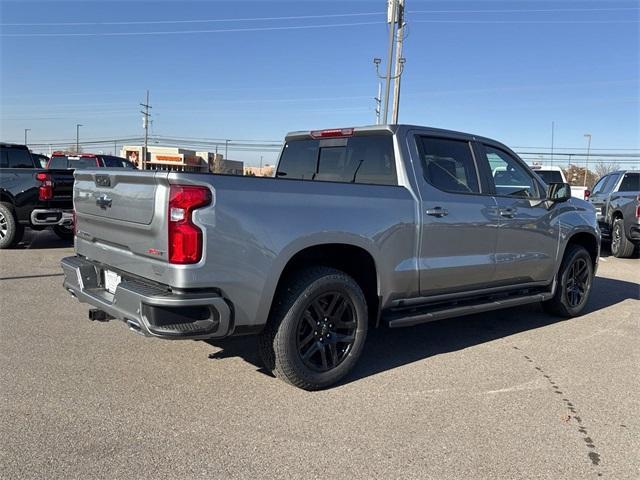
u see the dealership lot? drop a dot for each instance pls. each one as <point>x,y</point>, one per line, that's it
<point>509,394</point>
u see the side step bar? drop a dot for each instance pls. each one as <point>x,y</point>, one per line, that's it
<point>396,318</point>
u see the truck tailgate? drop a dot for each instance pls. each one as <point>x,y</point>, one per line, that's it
<point>121,214</point>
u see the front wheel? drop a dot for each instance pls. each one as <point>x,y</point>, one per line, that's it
<point>316,330</point>
<point>574,283</point>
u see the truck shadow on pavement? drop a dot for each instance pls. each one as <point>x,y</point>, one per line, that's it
<point>36,240</point>
<point>387,349</point>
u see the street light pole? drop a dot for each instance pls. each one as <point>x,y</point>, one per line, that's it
<point>586,168</point>
<point>392,30</point>
<point>78,125</point>
<point>25,135</point>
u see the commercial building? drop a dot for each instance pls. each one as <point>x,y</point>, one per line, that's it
<point>181,160</point>
<point>266,171</point>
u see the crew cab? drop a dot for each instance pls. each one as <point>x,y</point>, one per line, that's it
<point>87,160</point>
<point>616,198</point>
<point>378,226</point>
<point>31,196</point>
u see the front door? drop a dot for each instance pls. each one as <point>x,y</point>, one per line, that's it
<point>529,232</point>
<point>459,223</point>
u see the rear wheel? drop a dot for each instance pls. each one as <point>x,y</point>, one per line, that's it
<point>574,283</point>
<point>64,232</point>
<point>621,247</point>
<point>11,231</point>
<point>316,330</point>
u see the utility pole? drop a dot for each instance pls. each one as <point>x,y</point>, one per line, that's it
<point>399,62</point>
<point>391,20</point>
<point>115,148</point>
<point>145,124</point>
<point>378,100</point>
<point>25,135</point>
<point>78,125</point>
<point>226,148</point>
<point>552,133</point>
<point>395,11</point>
<point>586,167</point>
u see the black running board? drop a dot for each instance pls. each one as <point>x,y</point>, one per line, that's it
<point>398,318</point>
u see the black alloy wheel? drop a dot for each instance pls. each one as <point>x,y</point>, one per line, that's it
<point>326,331</point>
<point>578,282</point>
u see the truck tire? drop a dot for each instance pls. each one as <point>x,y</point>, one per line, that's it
<point>621,247</point>
<point>63,232</point>
<point>10,230</point>
<point>575,278</point>
<point>316,329</point>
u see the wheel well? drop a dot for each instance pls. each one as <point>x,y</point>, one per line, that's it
<point>589,242</point>
<point>354,261</point>
<point>616,215</point>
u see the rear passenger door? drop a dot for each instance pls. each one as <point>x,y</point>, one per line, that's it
<point>459,223</point>
<point>528,233</point>
<point>600,193</point>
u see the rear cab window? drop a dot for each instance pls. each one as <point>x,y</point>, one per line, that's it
<point>14,157</point>
<point>366,159</point>
<point>630,182</point>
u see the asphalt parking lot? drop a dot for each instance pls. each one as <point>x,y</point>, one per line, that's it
<point>509,394</point>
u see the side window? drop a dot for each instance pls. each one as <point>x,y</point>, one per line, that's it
<point>19,158</point>
<point>4,163</point>
<point>600,184</point>
<point>510,177</point>
<point>448,164</point>
<point>630,183</point>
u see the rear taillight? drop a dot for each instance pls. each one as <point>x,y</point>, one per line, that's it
<point>587,194</point>
<point>185,238</point>
<point>45,192</point>
<point>638,207</point>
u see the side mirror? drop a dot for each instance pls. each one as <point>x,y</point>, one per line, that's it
<point>558,192</point>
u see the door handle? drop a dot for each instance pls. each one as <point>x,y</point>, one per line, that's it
<point>507,212</point>
<point>437,212</point>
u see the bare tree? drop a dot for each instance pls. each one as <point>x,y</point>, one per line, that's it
<point>575,176</point>
<point>73,149</point>
<point>603,169</point>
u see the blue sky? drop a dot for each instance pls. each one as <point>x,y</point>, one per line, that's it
<point>503,69</point>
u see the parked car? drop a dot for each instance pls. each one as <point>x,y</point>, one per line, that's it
<point>31,196</point>
<point>88,160</point>
<point>384,225</point>
<point>553,174</point>
<point>616,198</point>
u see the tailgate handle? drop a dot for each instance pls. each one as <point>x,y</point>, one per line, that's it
<point>103,201</point>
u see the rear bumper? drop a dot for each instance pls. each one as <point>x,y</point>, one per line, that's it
<point>152,310</point>
<point>51,216</point>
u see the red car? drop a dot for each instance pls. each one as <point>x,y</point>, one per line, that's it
<point>85,161</point>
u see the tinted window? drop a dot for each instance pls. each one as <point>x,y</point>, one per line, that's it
<point>510,177</point>
<point>630,183</point>
<point>113,162</point>
<point>83,163</point>
<point>16,158</point>
<point>550,176</point>
<point>299,159</point>
<point>41,160</point>
<point>599,186</point>
<point>58,162</point>
<point>363,159</point>
<point>448,164</point>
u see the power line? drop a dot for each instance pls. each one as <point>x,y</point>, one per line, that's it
<point>309,17</point>
<point>183,32</point>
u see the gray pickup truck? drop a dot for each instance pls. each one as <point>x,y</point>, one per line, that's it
<point>616,198</point>
<point>362,227</point>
